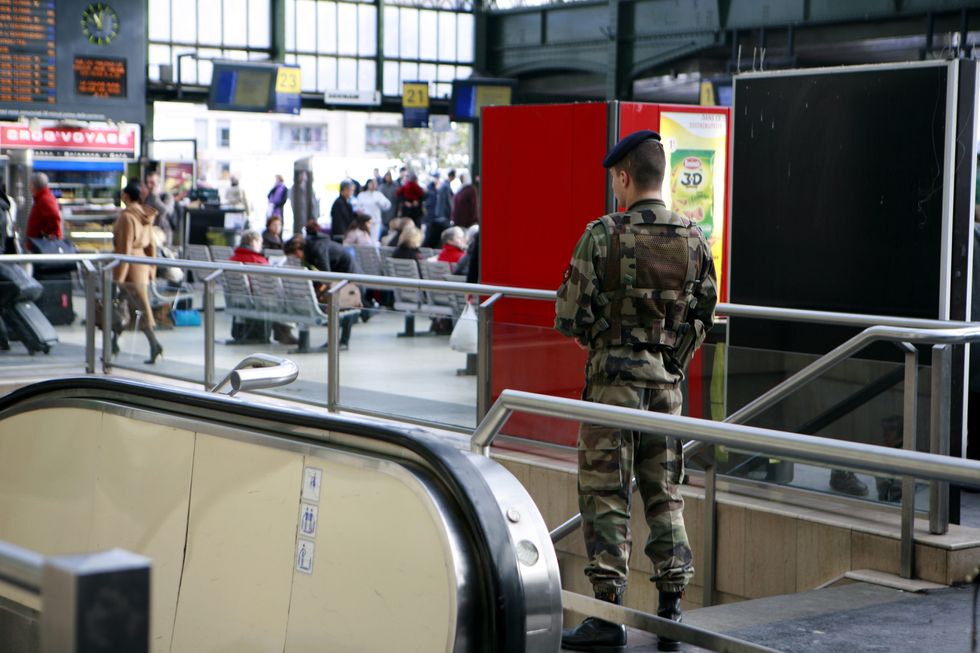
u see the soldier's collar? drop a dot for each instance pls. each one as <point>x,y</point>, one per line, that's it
<point>638,203</point>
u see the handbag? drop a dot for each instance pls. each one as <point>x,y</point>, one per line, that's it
<point>53,246</point>
<point>466,333</point>
<point>349,296</point>
<point>120,314</point>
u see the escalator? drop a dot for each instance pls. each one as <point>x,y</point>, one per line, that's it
<point>276,529</point>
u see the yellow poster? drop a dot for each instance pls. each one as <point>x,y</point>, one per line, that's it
<point>696,149</point>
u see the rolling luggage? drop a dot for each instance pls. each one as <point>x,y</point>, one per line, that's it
<point>56,301</point>
<point>26,322</point>
<point>16,285</point>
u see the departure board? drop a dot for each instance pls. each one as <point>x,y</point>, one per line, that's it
<point>73,60</point>
<point>100,76</point>
<point>28,64</point>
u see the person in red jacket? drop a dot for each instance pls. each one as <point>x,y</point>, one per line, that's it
<point>44,220</point>
<point>453,246</point>
<point>248,253</point>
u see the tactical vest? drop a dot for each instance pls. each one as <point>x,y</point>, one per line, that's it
<point>650,278</point>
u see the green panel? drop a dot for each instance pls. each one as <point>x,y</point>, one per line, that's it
<point>835,11</point>
<point>517,29</point>
<point>752,14</point>
<point>672,16</point>
<point>575,24</point>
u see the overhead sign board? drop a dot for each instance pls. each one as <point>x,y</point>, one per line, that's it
<point>353,98</point>
<point>97,141</point>
<point>415,104</point>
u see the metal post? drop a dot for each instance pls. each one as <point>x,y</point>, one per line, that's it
<point>484,364</point>
<point>91,281</point>
<point>939,435</point>
<point>709,510</point>
<point>209,328</point>
<point>911,395</point>
<point>333,347</point>
<point>107,316</point>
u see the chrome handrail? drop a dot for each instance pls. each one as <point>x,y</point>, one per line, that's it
<point>733,310</point>
<point>740,436</point>
<point>881,333</point>
<point>259,371</point>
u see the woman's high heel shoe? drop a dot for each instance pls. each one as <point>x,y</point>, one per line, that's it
<point>156,351</point>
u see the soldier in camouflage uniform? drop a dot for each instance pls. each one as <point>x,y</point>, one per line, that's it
<point>639,295</point>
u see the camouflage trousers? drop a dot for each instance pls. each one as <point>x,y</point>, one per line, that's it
<point>608,458</point>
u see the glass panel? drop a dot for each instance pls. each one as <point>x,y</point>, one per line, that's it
<point>209,18</point>
<point>409,73</point>
<point>347,74</point>
<point>446,73</point>
<point>327,73</point>
<point>859,400</point>
<point>427,72</point>
<point>447,35</point>
<point>391,32</point>
<point>366,74</point>
<point>464,37</point>
<point>305,26</point>
<point>408,31</point>
<point>367,38</point>
<point>347,32</point>
<point>159,20</point>
<point>327,27</point>
<point>235,55</point>
<point>185,29</point>
<point>205,68</point>
<point>392,86</point>
<point>428,34</point>
<point>307,65</point>
<point>462,72</point>
<point>236,23</point>
<point>258,23</point>
<point>188,67</point>
<point>420,380</point>
<point>156,55</point>
<point>442,90</point>
<point>291,24</point>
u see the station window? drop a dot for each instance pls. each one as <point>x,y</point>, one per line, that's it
<point>302,137</point>
<point>230,29</point>
<point>224,134</point>
<point>378,139</point>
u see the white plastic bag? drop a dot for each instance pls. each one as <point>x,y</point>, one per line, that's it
<point>466,332</point>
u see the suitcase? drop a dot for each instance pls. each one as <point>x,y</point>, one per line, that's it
<point>27,323</point>
<point>16,285</point>
<point>56,301</point>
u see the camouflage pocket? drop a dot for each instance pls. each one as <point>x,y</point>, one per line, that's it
<point>600,466</point>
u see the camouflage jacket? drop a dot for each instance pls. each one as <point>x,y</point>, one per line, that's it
<point>577,308</point>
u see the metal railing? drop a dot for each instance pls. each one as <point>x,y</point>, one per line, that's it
<point>98,268</point>
<point>99,600</point>
<point>939,432</point>
<point>874,458</point>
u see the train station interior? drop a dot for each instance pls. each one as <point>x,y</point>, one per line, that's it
<point>266,261</point>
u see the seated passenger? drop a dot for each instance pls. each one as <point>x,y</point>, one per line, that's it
<point>359,232</point>
<point>272,236</point>
<point>332,255</point>
<point>248,253</point>
<point>453,246</point>
<point>409,241</point>
<point>395,227</point>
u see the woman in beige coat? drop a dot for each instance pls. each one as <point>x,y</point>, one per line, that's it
<point>133,236</point>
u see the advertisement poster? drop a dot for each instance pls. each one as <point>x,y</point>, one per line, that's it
<point>178,177</point>
<point>696,146</point>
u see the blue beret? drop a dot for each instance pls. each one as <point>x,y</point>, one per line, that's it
<point>623,147</point>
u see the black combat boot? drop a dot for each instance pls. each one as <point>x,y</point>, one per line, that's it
<point>670,608</point>
<point>597,635</point>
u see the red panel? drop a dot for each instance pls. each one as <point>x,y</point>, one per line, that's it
<point>634,116</point>
<point>542,182</point>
